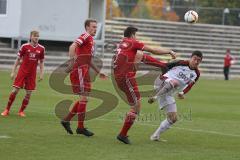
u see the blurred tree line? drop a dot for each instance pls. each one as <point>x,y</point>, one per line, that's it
<point>215,16</point>
<point>210,11</point>
<point>147,9</point>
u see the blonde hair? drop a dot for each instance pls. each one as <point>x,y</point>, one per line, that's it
<point>33,32</point>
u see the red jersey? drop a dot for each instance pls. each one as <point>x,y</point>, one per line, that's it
<point>124,59</point>
<point>30,56</point>
<point>84,50</point>
<point>227,60</point>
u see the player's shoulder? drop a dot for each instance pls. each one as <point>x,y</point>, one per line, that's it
<point>41,46</point>
<point>136,41</point>
<point>183,62</point>
<point>176,63</point>
<point>85,36</point>
<point>25,45</point>
<point>197,72</point>
<point>132,40</point>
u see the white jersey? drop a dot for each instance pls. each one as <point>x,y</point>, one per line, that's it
<point>177,71</point>
<point>181,72</point>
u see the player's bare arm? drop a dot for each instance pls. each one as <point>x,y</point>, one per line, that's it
<point>160,51</point>
<point>72,57</point>
<point>96,69</point>
<point>41,66</point>
<point>72,49</point>
<point>14,69</point>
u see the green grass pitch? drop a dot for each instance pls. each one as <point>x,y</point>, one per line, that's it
<point>208,128</point>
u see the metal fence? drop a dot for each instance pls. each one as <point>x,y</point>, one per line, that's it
<point>209,15</point>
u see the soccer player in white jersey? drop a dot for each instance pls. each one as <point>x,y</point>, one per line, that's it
<point>178,78</point>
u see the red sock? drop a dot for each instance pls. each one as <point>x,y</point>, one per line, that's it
<point>24,103</point>
<point>129,120</point>
<point>81,113</point>
<point>11,100</point>
<point>72,113</point>
<point>152,61</point>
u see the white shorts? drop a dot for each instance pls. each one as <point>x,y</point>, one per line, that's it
<point>166,101</point>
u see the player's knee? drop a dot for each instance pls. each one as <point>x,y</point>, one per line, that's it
<point>172,117</point>
<point>174,83</point>
<point>136,108</point>
<point>84,98</point>
<point>28,93</point>
<point>15,90</point>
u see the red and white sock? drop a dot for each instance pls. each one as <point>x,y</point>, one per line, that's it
<point>24,103</point>
<point>152,61</point>
<point>129,120</point>
<point>11,99</point>
<point>81,113</point>
<point>72,113</point>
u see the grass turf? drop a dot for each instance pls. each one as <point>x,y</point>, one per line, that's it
<point>208,127</point>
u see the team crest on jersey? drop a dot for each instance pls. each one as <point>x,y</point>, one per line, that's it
<point>29,50</point>
<point>38,51</point>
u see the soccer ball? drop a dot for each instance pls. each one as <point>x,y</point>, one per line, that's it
<point>191,16</point>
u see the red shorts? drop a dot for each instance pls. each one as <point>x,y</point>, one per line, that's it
<point>80,80</point>
<point>25,80</point>
<point>130,88</point>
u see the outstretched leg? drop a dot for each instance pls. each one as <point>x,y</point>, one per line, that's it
<point>167,123</point>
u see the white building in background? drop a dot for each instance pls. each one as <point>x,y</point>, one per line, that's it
<point>58,20</point>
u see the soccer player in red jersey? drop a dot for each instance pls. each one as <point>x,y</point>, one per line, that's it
<point>124,73</point>
<point>28,57</point>
<point>228,61</point>
<point>80,53</point>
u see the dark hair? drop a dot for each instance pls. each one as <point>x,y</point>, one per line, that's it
<point>88,21</point>
<point>129,31</point>
<point>197,53</point>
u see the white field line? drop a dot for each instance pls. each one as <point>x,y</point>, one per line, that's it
<point>4,137</point>
<point>154,125</point>
<point>180,128</point>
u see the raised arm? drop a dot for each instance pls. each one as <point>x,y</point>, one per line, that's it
<point>189,86</point>
<point>160,51</point>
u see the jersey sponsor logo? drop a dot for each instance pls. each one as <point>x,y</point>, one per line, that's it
<point>181,75</point>
<point>32,56</point>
